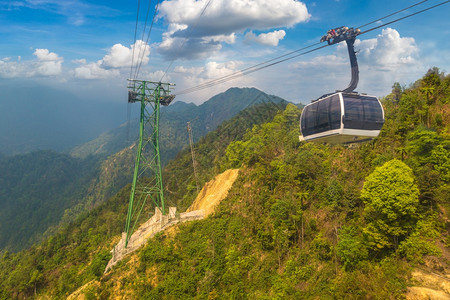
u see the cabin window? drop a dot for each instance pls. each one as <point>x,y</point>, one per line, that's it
<point>373,115</point>
<point>323,121</point>
<point>335,112</point>
<point>309,119</point>
<point>321,116</point>
<point>363,113</point>
<point>354,114</point>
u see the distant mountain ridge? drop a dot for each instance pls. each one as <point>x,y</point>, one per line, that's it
<point>173,134</point>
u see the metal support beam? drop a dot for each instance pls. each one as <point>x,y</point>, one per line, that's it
<point>353,64</point>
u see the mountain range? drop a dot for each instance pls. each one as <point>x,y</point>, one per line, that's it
<point>42,189</point>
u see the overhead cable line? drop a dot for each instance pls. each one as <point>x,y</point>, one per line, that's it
<point>142,39</point>
<point>394,13</point>
<point>141,58</point>
<point>184,42</point>
<point>135,33</point>
<point>277,60</point>
<point>402,18</point>
<point>249,70</point>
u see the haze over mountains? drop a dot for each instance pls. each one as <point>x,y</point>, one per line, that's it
<point>37,118</point>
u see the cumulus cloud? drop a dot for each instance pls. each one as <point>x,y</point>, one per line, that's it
<point>118,57</point>
<point>49,63</point>
<point>94,71</point>
<point>388,50</point>
<point>187,77</point>
<point>121,56</point>
<point>46,64</point>
<point>386,59</point>
<point>222,20</point>
<point>382,61</point>
<point>11,69</point>
<point>268,39</point>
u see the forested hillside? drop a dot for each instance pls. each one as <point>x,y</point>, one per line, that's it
<point>35,191</point>
<point>302,221</point>
<point>43,189</point>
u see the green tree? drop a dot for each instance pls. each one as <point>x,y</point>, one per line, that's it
<point>391,197</point>
<point>422,241</point>
<point>350,248</point>
<point>440,157</point>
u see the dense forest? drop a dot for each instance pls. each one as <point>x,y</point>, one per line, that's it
<point>36,190</point>
<point>303,220</point>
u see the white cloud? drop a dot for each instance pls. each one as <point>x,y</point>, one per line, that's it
<point>111,64</point>
<point>388,51</point>
<point>49,63</point>
<point>45,55</point>
<point>95,71</point>
<point>212,70</point>
<point>222,20</point>
<point>187,77</point>
<point>46,64</point>
<point>268,39</point>
<point>227,16</point>
<point>11,69</point>
<point>79,61</point>
<point>156,76</point>
<point>121,56</point>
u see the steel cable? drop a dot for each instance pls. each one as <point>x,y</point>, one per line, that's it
<point>277,60</point>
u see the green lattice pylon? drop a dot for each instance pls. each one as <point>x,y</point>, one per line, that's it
<point>147,180</point>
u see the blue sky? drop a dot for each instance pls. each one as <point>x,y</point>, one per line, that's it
<point>85,46</point>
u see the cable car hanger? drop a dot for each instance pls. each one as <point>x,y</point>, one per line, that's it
<point>348,35</point>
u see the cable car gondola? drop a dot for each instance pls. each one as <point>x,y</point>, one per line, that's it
<point>344,116</point>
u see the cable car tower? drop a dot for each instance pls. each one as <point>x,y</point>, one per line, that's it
<point>147,179</point>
